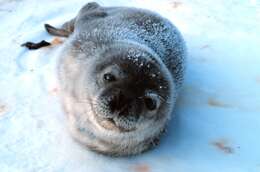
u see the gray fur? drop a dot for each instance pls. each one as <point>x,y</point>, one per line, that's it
<point>151,50</point>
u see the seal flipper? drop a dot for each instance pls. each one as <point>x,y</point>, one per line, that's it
<point>34,46</point>
<point>66,29</point>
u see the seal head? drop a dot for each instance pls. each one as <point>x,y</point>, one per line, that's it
<point>120,99</point>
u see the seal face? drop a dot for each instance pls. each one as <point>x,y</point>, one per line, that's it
<point>118,81</point>
<point>131,90</point>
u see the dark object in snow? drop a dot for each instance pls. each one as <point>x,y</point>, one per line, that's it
<point>34,46</point>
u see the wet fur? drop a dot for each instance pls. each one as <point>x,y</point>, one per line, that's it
<point>96,30</point>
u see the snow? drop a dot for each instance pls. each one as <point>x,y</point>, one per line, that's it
<point>216,122</point>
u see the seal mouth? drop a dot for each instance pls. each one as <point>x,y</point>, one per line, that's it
<point>111,124</point>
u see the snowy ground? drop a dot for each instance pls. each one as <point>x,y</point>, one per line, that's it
<point>217,118</point>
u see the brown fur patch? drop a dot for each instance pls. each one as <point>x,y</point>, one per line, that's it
<point>205,46</point>
<point>140,168</point>
<point>222,145</point>
<point>57,41</point>
<point>54,91</point>
<point>176,4</point>
<point>217,103</point>
<point>3,109</point>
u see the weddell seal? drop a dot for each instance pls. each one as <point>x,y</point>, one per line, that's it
<point>120,72</point>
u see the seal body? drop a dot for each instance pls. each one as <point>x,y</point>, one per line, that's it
<point>120,71</point>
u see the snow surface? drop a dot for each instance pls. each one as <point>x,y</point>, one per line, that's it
<point>217,118</point>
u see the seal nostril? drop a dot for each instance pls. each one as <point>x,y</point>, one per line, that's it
<point>121,99</point>
<point>150,103</point>
<point>117,102</point>
<point>112,103</point>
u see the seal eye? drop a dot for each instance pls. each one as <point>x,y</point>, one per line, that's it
<point>150,103</point>
<point>109,77</point>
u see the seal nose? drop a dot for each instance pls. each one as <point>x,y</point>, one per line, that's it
<point>118,101</point>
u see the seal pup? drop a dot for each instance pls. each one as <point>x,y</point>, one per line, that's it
<point>120,72</point>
